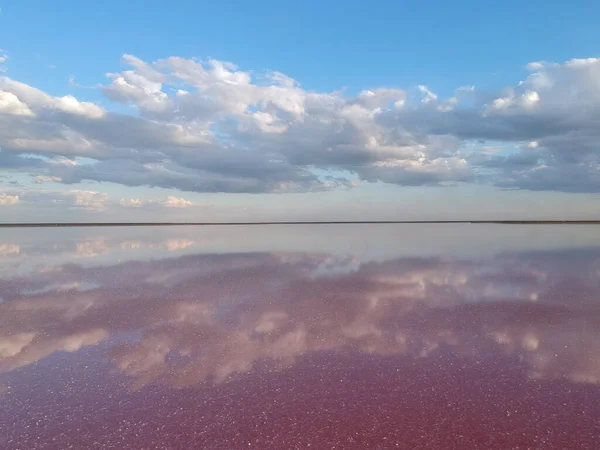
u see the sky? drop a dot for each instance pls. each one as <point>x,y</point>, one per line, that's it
<point>250,111</point>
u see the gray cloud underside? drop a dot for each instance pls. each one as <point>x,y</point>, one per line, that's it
<point>209,127</point>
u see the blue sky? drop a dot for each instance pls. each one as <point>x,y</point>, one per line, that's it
<point>324,45</point>
<point>457,125</point>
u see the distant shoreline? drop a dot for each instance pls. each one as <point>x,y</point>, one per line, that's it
<point>351,222</point>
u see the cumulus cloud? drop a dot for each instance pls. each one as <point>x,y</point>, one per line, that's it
<point>89,199</point>
<point>41,103</point>
<point>176,202</point>
<point>76,198</point>
<point>133,202</point>
<point>10,104</point>
<point>6,199</point>
<point>208,126</point>
<point>169,202</point>
<point>83,199</point>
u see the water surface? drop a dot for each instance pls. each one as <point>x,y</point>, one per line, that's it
<point>383,336</point>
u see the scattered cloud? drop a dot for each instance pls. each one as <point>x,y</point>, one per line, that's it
<point>78,199</point>
<point>133,202</point>
<point>10,104</point>
<point>176,202</point>
<point>212,127</point>
<point>41,103</point>
<point>8,199</point>
<point>91,200</point>
<point>169,202</point>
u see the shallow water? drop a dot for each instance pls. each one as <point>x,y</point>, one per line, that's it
<point>329,336</point>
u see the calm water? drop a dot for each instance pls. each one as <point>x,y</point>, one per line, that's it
<point>382,336</point>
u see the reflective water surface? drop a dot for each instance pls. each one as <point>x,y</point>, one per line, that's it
<point>381,336</point>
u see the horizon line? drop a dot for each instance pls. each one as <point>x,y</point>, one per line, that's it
<point>299,222</point>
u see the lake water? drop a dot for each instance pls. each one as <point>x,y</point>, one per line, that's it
<point>323,336</point>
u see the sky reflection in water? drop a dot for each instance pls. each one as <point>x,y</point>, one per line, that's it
<point>425,337</point>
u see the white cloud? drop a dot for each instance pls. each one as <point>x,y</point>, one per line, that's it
<point>428,96</point>
<point>176,202</point>
<point>133,202</point>
<point>530,98</point>
<point>91,200</point>
<point>71,105</point>
<point>142,86</point>
<point>6,199</point>
<point>169,202</point>
<point>535,66</point>
<point>212,127</point>
<point>39,101</point>
<point>78,199</point>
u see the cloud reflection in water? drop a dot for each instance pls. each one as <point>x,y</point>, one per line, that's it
<point>215,317</point>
